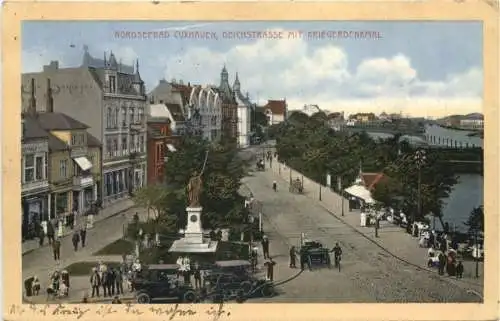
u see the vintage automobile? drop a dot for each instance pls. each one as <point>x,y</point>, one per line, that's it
<point>233,280</point>
<point>159,282</point>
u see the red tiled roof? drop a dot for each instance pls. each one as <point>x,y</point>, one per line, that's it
<point>277,107</point>
<point>372,179</point>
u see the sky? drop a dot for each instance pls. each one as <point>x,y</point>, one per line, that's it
<point>417,68</point>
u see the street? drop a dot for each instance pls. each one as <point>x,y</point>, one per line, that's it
<point>368,273</point>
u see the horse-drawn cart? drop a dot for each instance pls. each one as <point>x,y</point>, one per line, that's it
<point>296,187</point>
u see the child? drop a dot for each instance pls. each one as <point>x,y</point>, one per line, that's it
<point>35,286</point>
<point>460,270</point>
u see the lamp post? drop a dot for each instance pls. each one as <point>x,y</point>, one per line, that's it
<point>420,160</point>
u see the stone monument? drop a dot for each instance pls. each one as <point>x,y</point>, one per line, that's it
<point>193,241</point>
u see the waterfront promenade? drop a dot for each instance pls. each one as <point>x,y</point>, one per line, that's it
<point>393,261</point>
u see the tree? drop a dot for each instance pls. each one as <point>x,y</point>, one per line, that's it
<point>152,197</point>
<point>475,222</point>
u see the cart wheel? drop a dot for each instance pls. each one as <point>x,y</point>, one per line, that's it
<point>189,297</point>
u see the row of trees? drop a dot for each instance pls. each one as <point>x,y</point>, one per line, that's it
<point>307,145</point>
<point>221,170</point>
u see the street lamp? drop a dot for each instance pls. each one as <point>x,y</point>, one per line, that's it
<point>420,158</point>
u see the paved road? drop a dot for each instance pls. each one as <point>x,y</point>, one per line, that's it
<point>368,273</point>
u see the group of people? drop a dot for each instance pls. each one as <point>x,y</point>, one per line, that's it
<point>58,284</point>
<point>109,279</point>
<point>186,270</point>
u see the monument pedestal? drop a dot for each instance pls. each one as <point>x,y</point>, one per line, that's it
<point>193,241</point>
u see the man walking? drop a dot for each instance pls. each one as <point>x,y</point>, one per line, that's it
<point>197,276</point>
<point>119,280</point>
<point>83,234</point>
<point>41,235</point>
<point>56,249</point>
<point>460,270</point>
<point>265,246</point>
<point>442,262</point>
<point>76,240</point>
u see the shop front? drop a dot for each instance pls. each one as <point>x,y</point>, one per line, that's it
<point>35,211</point>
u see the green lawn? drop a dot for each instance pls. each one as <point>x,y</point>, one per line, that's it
<point>118,247</point>
<point>85,268</point>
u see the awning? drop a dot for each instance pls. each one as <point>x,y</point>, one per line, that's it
<point>171,148</point>
<point>83,162</point>
<point>361,192</point>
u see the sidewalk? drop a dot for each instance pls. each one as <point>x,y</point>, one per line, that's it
<point>109,211</point>
<point>392,239</point>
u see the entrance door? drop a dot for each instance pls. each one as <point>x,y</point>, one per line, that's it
<point>35,211</point>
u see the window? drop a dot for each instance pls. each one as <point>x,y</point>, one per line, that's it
<point>109,117</point>
<point>73,140</point>
<point>92,159</point>
<point>63,168</point>
<point>39,168</point>
<point>117,113</point>
<point>45,167</point>
<point>62,203</point>
<point>141,115</point>
<point>112,84</point>
<point>158,153</point>
<point>137,144</point>
<point>141,143</point>
<point>108,147</point>
<point>115,147</point>
<point>29,168</point>
<point>124,145</point>
<point>131,143</point>
<point>124,117</point>
<point>131,112</point>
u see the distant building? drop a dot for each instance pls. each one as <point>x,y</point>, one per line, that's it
<point>275,111</point>
<point>229,105</point>
<point>110,98</point>
<point>473,124</point>
<point>205,111</point>
<point>363,117</point>
<point>171,112</point>
<point>245,107</point>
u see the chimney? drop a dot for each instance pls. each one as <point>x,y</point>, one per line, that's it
<point>49,108</point>
<point>52,66</point>
<point>32,107</point>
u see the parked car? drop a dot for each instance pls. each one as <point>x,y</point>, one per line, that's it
<point>233,279</point>
<point>159,281</point>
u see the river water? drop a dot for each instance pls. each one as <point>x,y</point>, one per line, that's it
<point>468,192</point>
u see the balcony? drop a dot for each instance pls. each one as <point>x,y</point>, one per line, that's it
<point>136,126</point>
<point>78,151</point>
<point>37,186</point>
<point>83,181</point>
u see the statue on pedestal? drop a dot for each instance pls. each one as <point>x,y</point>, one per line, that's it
<point>194,190</point>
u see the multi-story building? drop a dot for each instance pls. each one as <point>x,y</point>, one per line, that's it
<point>160,144</point>
<point>171,112</point>
<point>474,124</point>
<point>275,111</point>
<point>74,162</point>
<point>205,112</point>
<point>245,107</point>
<point>35,196</point>
<point>110,98</point>
<point>229,123</point>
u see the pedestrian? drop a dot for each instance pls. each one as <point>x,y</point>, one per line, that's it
<point>111,281</point>
<point>56,249</point>
<point>303,258</point>
<point>460,270</point>
<point>254,258</point>
<point>41,236</point>
<point>104,283</point>
<point>442,262</point>
<point>292,257</point>
<point>95,282</point>
<point>270,269</point>
<point>83,234</point>
<point>377,226</point>
<point>50,232</point>
<point>197,276</point>
<point>119,280</point>
<point>35,286</point>
<point>76,239</point>
<point>265,246</point>
<point>275,186</point>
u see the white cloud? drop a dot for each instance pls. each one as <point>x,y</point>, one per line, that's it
<point>271,69</point>
<point>35,58</point>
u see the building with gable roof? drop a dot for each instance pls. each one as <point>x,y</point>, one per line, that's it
<point>110,98</point>
<point>275,111</point>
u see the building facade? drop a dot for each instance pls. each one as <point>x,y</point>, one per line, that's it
<point>229,106</point>
<point>35,196</point>
<point>110,98</point>
<point>161,142</point>
<point>275,111</point>
<point>205,112</point>
<point>171,113</point>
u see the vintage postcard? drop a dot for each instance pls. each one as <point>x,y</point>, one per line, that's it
<point>200,161</point>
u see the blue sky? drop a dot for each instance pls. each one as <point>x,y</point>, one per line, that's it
<point>415,66</point>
